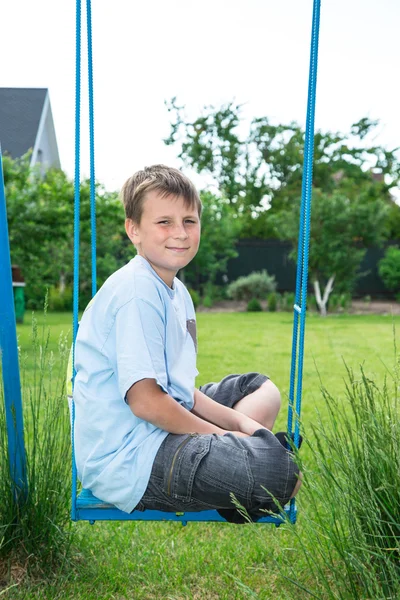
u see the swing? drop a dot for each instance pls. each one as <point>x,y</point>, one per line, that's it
<point>85,506</point>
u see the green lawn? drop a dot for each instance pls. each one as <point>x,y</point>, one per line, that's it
<point>214,561</point>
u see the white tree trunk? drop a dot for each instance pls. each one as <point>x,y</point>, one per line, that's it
<point>322,302</point>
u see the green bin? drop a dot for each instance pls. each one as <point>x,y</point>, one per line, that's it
<point>19,294</point>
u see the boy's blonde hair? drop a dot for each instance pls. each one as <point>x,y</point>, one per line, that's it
<point>165,180</point>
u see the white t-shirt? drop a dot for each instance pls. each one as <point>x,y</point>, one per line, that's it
<point>136,327</point>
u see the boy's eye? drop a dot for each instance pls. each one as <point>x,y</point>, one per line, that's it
<point>191,221</point>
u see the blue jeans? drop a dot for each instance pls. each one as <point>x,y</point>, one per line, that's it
<point>194,472</point>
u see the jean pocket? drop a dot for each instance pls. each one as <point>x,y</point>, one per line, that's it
<point>181,471</point>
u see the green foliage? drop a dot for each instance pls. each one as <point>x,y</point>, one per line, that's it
<point>339,302</point>
<point>60,301</point>
<point>219,232</point>
<point>208,301</point>
<point>345,301</point>
<point>272,301</point>
<point>341,230</point>
<point>195,296</point>
<point>258,167</point>
<point>254,305</point>
<point>389,268</point>
<point>37,532</point>
<point>40,223</point>
<point>288,301</point>
<point>311,302</point>
<point>256,285</point>
<point>333,302</point>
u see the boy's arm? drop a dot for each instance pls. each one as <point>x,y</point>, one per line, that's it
<point>223,416</point>
<point>148,402</point>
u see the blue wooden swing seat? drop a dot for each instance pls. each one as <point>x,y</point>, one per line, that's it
<point>89,508</point>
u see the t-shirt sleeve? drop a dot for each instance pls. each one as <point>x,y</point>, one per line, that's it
<point>140,345</point>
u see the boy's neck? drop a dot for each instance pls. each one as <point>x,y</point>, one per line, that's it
<point>166,279</point>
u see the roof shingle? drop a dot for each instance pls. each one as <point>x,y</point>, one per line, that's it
<point>20,112</point>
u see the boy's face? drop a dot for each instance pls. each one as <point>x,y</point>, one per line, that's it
<point>168,235</point>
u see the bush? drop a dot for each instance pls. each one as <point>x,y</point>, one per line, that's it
<point>60,302</point>
<point>272,301</point>
<point>215,292</point>
<point>333,302</point>
<point>195,296</point>
<point>389,268</point>
<point>312,302</point>
<point>256,285</point>
<point>345,301</point>
<point>37,532</point>
<point>288,301</point>
<point>254,305</point>
<point>208,302</point>
<point>339,302</point>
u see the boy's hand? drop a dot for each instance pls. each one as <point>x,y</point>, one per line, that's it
<point>247,425</point>
<point>227,418</point>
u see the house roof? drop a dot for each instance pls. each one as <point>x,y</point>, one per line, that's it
<point>20,113</point>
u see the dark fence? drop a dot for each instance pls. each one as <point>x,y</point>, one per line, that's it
<point>273,256</point>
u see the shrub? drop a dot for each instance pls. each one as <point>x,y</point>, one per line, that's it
<point>254,305</point>
<point>339,302</point>
<point>333,302</point>
<point>37,533</point>
<point>312,302</point>
<point>272,301</point>
<point>389,268</point>
<point>208,302</point>
<point>288,301</point>
<point>256,285</point>
<point>60,302</point>
<point>195,296</point>
<point>216,292</point>
<point>345,301</point>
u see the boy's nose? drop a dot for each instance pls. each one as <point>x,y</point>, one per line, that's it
<point>180,232</point>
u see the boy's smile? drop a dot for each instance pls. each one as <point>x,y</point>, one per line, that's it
<point>168,235</point>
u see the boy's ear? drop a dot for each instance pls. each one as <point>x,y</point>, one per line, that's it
<point>131,229</point>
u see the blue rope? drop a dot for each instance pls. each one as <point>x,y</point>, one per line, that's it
<point>76,232</point>
<point>300,307</point>
<point>91,136</point>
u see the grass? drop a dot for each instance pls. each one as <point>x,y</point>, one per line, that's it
<point>37,530</point>
<point>212,561</point>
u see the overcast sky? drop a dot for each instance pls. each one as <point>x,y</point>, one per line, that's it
<point>208,52</point>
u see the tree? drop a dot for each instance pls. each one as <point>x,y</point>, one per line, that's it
<point>219,232</point>
<point>258,168</point>
<point>389,268</point>
<point>341,230</point>
<point>40,221</point>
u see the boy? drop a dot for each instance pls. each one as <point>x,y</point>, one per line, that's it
<point>145,438</point>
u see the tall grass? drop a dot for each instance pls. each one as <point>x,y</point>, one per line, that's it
<point>350,526</point>
<point>36,533</point>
